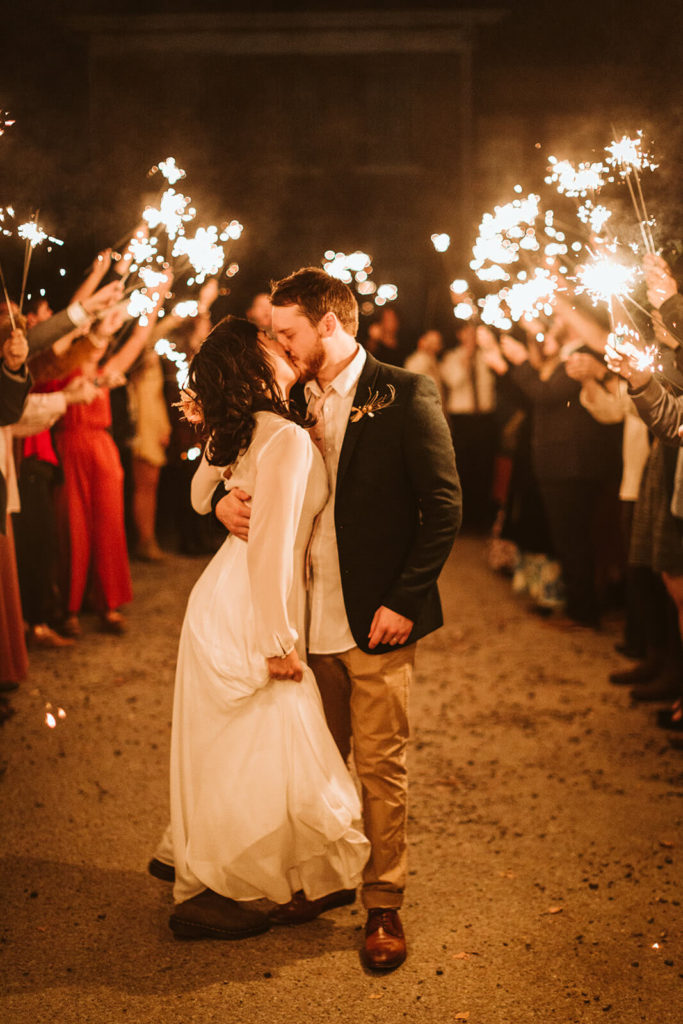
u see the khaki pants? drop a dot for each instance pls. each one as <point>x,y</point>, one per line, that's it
<point>365,697</point>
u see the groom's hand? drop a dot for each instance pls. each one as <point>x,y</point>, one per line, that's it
<point>234,512</point>
<point>389,628</point>
<point>288,667</point>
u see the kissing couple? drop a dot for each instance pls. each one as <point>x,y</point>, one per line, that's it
<point>335,476</point>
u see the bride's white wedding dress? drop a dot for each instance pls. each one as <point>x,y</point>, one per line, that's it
<point>261,802</point>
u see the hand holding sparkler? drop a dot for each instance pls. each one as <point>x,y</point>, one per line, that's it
<point>626,359</point>
<point>661,284</point>
<point>514,351</point>
<point>15,351</point>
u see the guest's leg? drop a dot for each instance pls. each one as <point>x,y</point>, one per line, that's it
<point>379,720</point>
<point>110,553</point>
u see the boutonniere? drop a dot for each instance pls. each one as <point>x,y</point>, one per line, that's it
<point>375,403</point>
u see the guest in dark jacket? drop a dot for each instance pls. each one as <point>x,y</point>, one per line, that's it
<point>575,459</point>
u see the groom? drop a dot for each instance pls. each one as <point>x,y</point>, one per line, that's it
<point>378,548</point>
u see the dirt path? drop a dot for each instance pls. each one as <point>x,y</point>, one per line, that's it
<point>545,840</point>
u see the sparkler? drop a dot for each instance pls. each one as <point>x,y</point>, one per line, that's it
<point>167,350</point>
<point>604,279</point>
<point>441,242</point>
<point>355,269</point>
<point>5,121</point>
<point>628,155</point>
<point>170,170</point>
<point>204,254</point>
<point>576,181</point>
<point>623,341</point>
<point>53,715</point>
<point>173,211</point>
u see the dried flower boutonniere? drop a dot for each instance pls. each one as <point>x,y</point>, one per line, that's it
<point>375,403</point>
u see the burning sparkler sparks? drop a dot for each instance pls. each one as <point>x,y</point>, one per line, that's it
<point>604,279</point>
<point>441,242</point>
<point>170,170</point>
<point>5,121</point>
<point>627,155</point>
<point>168,351</point>
<point>576,181</point>
<point>53,715</point>
<point>203,252</point>
<point>173,211</point>
<point>623,341</point>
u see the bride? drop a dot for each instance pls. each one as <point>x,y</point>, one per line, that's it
<point>262,804</point>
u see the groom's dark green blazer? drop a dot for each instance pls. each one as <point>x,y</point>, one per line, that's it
<point>398,503</point>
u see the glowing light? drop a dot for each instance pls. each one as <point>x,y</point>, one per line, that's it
<point>171,213</point>
<point>232,231</point>
<point>459,286</point>
<point>203,252</point>
<point>53,715</point>
<point>595,216</point>
<point>343,267</point>
<point>531,297</point>
<point>190,308</point>
<point>170,170</point>
<point>576,181</point>
<point>167,350</point>
<point>627,154</point>
<point>604,279</point>
<point>193,453</point>
<point>463,311</point>
<point>493,314</point>
<point>140,305</point>
<point>388,292</point>
<point>623,341</point>
<point>142,249</point>
<point>151,278</point>
<point>5,121</point>
<point>441,242</point>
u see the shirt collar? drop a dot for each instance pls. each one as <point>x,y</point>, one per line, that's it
<point>345,381</point>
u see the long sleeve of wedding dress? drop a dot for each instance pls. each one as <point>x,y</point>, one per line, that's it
<point>282,472</point>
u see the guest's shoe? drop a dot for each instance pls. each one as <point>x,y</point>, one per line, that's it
<point>212,916</point>
<point>661,689</point>
<point>6,711</point>
<point>112,621</point>
<point>43,636</point>
<point>71,626</point>
<point>671,718</point>
<point>8,687</point>
<point>385,944</point>
<point>164,872</point>
<point>643,672</point>
<point>299,910</point>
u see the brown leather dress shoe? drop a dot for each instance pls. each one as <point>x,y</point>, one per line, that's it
<point>299,910</point>
<point>385,943</point>
<point>208,915</point>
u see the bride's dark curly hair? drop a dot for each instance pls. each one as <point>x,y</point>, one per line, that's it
<point>232,379</point>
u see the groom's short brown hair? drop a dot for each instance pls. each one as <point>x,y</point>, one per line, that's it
<point>317,293</point>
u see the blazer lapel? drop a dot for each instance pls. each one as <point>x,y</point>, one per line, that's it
<point>366,384</point>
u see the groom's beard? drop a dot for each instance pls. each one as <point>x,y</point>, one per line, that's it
<point>310,368</point>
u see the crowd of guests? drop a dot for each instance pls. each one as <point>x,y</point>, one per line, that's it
<point>563,463</point>
<point>92,450</point>
<point>569,470</point>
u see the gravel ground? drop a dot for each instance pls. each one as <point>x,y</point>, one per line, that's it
<point>545,832</point>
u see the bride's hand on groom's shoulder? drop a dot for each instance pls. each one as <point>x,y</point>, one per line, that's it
<point>288,667</point>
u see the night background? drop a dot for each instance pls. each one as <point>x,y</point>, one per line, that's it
<point>367,126</point>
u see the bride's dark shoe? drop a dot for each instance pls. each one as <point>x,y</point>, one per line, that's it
<point>212,916</point>
<point>299,910</point>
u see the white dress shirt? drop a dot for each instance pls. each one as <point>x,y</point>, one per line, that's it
<point>329,630</point>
